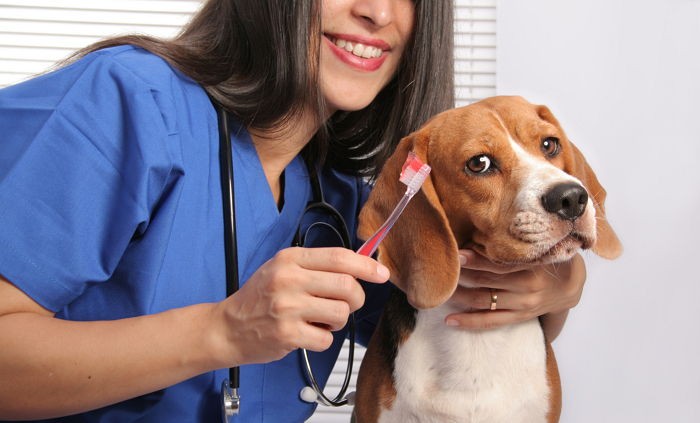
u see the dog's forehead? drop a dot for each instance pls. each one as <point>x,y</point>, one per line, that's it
<point>473,122</point>
<point>511,115</point>
<point>508,129</point>
<point>483,125</point>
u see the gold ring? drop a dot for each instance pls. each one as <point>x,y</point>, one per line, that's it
<point>494,300</point>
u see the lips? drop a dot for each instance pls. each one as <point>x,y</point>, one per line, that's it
<point>358,52</point>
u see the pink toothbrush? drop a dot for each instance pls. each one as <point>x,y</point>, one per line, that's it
<point>413,174</point>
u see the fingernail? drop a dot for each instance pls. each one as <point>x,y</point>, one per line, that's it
<point>462,260</point>
<point>383,271</point>
<point>451,322</point>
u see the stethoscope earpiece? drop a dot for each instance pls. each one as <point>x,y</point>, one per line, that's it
<point>351,398</point>
<point>308,394</point>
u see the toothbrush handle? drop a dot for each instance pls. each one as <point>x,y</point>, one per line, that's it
<point>370,246</point>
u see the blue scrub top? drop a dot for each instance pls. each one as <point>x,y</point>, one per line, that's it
<point>111,208</point>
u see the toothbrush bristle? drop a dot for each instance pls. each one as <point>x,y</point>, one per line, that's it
<point>414,172</point>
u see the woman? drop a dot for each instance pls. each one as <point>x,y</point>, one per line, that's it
<point>113,302</point>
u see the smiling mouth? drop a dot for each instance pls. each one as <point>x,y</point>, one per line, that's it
<point>357,49</point>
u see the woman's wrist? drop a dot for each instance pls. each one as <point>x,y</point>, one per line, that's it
<point>553,323</point>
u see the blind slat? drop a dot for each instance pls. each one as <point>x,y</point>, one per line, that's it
<point>88,29</point>
<point>162,6</point>
<point>31,15</point>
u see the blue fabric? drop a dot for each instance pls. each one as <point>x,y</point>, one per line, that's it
<point>109,182</point>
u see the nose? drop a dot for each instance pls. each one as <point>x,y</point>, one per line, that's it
<point>377,12</point>
<point>567,200</point>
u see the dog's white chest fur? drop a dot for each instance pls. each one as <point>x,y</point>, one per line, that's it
<point>444,374</point>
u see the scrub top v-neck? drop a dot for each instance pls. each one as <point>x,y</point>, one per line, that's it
<point>261,226</point>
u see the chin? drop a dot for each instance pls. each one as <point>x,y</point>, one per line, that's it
<point>349,94</point>
<point>348,104</point>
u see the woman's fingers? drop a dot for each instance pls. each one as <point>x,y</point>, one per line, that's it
<point>334,286</point>
<point>340,260</point>
<point>331,273</point>
<point>472,299</point>
<point>480,299</point>
<point>485,319</point>
<point>491,295</point>
<point>470,259</point>
<point>314,338</point>
<point>294,301</point>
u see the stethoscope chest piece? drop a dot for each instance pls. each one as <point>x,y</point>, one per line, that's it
<point>230,401</point>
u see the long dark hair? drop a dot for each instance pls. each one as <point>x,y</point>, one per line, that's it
<point>259,59</point>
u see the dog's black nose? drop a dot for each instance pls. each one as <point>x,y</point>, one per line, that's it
<point>567,200</point>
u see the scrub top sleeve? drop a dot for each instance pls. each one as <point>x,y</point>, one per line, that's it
<point>85,161</point>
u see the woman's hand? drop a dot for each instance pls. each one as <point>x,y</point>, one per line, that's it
<point>521,292</point>
<point>293,301</point>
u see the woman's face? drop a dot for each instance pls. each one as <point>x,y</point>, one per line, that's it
<point>361,47</point>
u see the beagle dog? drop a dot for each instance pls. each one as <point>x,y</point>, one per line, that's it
<point>507,183</point>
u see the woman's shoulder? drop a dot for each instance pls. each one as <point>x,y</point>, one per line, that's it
<point>149,69</point>
<point>107,90</point>
<point>128,68</point>
<point>147,66</point>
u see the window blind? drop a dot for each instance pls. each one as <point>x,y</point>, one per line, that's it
<point>34,34</point>
<point>475,50</point>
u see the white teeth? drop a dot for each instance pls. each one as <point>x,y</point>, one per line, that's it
<point>358,49</point>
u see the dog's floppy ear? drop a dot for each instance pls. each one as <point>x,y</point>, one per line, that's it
<point>420,250</point>
<point>607,245</point>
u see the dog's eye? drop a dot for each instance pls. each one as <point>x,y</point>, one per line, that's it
<point>550,146</point>
<point>479,164</point>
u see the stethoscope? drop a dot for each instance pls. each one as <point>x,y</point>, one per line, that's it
<point>230,398</point>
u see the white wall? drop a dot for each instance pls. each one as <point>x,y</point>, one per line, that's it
<point>623,77</point>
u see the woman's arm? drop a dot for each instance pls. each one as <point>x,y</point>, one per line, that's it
<point>523,293</point>
<point>51,367</point>
<point>553,323</point>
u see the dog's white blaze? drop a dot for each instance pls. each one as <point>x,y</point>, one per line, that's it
<point>444,374</point>
<point>539,176</point>
<point>532,223</point>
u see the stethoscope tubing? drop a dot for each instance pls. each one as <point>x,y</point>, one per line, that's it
<point>230,387</point>
<point>340,399</point>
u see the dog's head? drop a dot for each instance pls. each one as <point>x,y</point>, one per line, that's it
<point>505,181</point>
